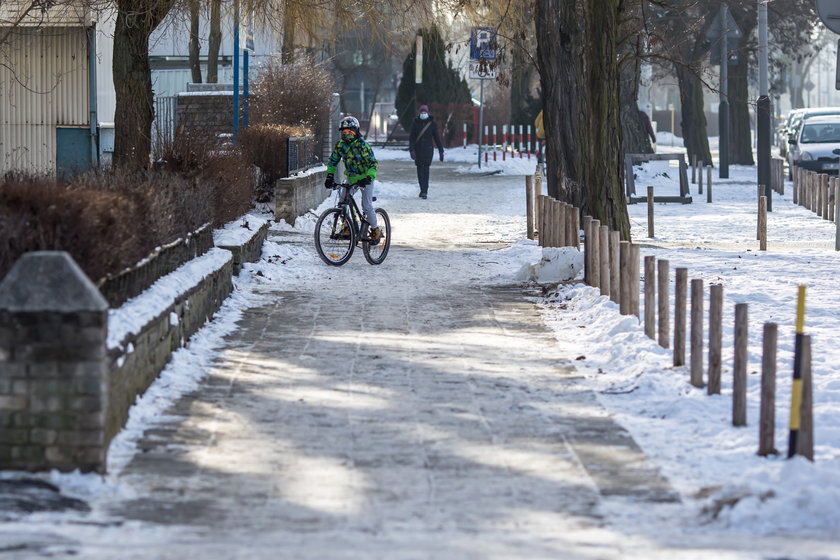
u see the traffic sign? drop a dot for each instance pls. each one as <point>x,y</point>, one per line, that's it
<point>483,43</point>
<point>829,12</point>
<point>481,71</point>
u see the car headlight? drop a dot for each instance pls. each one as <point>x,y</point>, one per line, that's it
<point>805,156</point>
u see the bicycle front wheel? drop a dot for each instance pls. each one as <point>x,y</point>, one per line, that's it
<point>335,237</point>
<point>375,254</point>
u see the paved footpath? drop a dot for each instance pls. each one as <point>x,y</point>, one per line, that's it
<point>367,415</point>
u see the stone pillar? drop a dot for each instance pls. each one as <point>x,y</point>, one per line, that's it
<point>53,374</point>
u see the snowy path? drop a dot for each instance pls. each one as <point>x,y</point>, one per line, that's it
<point>419,409</point>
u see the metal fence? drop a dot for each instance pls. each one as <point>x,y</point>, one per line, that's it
<point>163,127</point>
<point>301,153</point>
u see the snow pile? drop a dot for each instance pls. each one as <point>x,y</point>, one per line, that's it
<point>558,264</point>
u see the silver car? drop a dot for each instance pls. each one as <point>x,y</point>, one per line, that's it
<point>815,142</point>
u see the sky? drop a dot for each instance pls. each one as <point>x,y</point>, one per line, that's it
<point>726,487</point>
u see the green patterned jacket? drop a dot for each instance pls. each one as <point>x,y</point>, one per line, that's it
<point>359,161</point>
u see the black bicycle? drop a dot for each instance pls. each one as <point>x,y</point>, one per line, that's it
<point>340,229</point>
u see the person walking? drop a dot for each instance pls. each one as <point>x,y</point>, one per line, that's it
<point>422,140</point>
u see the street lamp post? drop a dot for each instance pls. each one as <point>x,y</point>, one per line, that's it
<point>763,107</point>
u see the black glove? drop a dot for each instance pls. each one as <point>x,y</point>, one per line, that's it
<point>364,182</point>
<point>329,182</point>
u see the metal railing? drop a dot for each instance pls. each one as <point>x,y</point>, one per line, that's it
<point>163,127</point>
<point>301,153</point>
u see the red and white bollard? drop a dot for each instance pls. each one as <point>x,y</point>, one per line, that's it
<point>528,140</point>
<point>504,142</point>
<point>494,142</point>
<point>520,141</point>
<point>465,136</point>
<point>486,142</point>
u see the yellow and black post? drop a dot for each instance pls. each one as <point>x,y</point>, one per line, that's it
<point>796,388</point>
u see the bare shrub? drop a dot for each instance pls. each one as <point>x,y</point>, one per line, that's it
<point>297,94</point>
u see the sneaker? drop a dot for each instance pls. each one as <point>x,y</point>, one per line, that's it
<point>375,235</point>
<point>423,195</point>
<point>344,233</point>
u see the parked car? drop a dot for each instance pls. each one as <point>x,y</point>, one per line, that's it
<point>794,121</point>
<point>784,129</point>
<point>815,142</point>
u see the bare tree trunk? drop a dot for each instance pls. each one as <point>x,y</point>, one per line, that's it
<point>635,136</point>
<point>214,41</point>
<point>287,53</point>
<point>693,122</point>
<point>195,43</point>
<point>579,75</point>
<point>740,140</point>
<point>133,84</point>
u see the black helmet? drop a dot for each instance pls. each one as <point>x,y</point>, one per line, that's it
<point>349,122</point>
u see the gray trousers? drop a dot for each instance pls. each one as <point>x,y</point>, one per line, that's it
<point>367,204</point>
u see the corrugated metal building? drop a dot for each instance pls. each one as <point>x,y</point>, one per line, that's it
<point>50,62</point>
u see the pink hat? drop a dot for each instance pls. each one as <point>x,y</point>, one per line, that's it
<point>423,108</point>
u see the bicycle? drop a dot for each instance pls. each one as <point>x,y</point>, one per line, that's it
<point>339,229</point>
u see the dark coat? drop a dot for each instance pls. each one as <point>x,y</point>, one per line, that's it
<point>424,145</point>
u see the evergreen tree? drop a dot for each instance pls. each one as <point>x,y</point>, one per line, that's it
<point>442,84</point>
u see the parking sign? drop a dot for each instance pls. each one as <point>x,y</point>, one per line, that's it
<point>483,43</point>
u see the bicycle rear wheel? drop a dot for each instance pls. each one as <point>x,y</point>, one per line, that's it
<point>375,254</point>
<point>335,237</point>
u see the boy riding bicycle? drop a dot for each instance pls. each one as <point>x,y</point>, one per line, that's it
<point>360,165</point>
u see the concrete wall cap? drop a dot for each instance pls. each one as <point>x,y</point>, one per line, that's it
<point>49,281</point>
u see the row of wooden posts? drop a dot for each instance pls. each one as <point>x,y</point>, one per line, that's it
<point>657,325</point>
<point>613,266</point>
<point>818,192</point>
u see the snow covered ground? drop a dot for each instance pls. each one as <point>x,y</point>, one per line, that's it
<point>687,433</point>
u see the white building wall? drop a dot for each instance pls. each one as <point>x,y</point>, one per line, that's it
<point>43,84</point>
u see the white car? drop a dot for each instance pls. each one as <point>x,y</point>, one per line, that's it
<point>815,142</point>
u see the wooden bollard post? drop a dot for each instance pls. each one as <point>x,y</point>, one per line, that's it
<point>540,221</point>
<point>571,224</point>
<point>604,253</point>
<point>762,223</point>
<point>615,267</point>
<point>634,280</point>
<point>576,228</point>
<point>825,191</point>
<point>650,296</point>
<point>624,282</point>
<point>700,177</point>
<point>715,337</point>
<point>805,439</point>
<point>795,174</point>
<point>539,198</point>
<point>739,369</point>
<point>663,301</point>
<point>832,190</point>
<point>759,194</point>
<point>708,178</point>
<point>680,289</point>
<point>587,254</point>
<point>562,230</point>
<point>709,193</point>
<point>767,416</point>
<point>837,215</point>
<point>696,372</point>
<point>693,169</point>
<point>650,210</point>
<point>595,258</point>
<point>552,225</point>
<point>529,206</point>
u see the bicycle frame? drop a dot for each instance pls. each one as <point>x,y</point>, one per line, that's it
<point>351,209</point>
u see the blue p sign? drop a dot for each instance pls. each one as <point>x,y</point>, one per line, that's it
<point>483,43</point>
